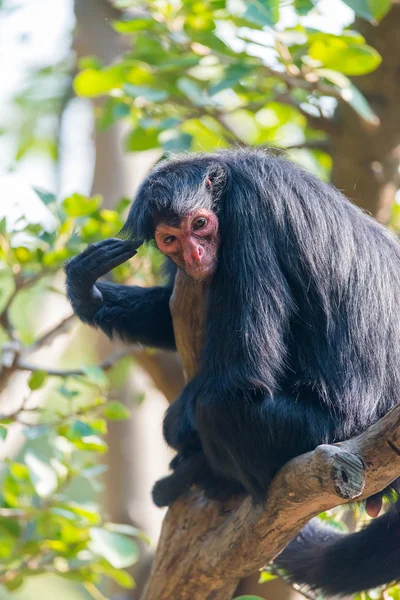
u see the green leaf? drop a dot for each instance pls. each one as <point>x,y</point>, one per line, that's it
<point>351,59</point>
<point>128,530</point>
<point>79,430</point>
<point>94,470</point>
<point>350,94</point>
<point>88,512</point>
<point>66,392</point>
<point>121,577</point>
<point>116,411</point>
<point>37,380</point>
<point>43,478</point>
<point>303,7</point>
<point>193,91</point>
<point>145,92</point>
<point>133,25</point>
<point>118,550</point>
<point>3,433</point>
<point>232,75</point>
<point>371,10</point>
<point>79,206</point>
<point>96,375</point>
<point>266,576</point>
<point>46,197</point>
<point>262,12</point>
<point>176,141</point>
<point>34,432</point>
<point>90,443</point>
<point>92,82</point>
<point>141,139</point>
<point>14,583</point>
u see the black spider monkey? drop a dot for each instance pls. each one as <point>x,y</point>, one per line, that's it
<point>302,341</point>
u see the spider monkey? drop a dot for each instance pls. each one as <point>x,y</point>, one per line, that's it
<point>302,335</point>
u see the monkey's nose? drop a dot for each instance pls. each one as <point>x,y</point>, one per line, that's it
<point>197,254</point>
<point>193,256</point>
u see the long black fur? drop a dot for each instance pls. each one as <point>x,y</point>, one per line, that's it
<point>302,342</point>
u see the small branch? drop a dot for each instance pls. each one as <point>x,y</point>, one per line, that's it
<point>48,337</point>
<point>304,83</point>
<point>310,145</point>
<point>106,364</point>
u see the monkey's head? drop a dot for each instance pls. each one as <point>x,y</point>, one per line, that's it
<point>177,205</point>
<point>191,241</point>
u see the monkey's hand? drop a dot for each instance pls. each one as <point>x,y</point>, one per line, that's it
<point>83,270</point>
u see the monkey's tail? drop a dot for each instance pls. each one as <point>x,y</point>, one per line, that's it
<point>340,564</point>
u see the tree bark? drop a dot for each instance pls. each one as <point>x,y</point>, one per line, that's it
<point>366,158</point>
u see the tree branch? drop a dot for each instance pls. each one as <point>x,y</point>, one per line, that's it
<point>310,145</point>
<point>207,547</point>
<point>107,363</point>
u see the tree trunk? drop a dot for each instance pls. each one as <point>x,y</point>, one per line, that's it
<point>366,158</point>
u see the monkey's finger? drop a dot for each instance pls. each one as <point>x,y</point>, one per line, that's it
<point>98,249</point>
<point>78,263</point>
<point>98,264</point>
<point>103,245</point>
<point>113,260</point>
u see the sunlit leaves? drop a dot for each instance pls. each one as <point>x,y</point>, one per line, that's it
<point>43,477</point>
<point>93,82</point>
<point>350,94</point>
<point>262,12</point>
<point>141,138</point>
<point>140,91</point>
<point>133,25</point>
<point>69,428</point>
<point>79,206</point>
<point>37,380</point>
<point>116,411</point>
<point>266,576</point>
<point>337,53</point>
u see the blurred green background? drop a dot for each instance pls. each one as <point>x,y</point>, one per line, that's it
<point>93,93</point>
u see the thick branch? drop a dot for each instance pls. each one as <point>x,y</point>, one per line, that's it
<point>207,547</point>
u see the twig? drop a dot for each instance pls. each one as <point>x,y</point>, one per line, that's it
<point>107,363</point>
<point>47,337</point>
<point>310,145</point>
<point>94,591</point>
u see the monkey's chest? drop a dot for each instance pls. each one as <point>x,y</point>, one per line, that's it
<point>187,305</point>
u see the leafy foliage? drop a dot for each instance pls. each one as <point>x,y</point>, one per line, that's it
<point>43,530</point>
<point>207,74</point>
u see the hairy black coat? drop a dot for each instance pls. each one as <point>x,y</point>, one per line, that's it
<point>302,341</point>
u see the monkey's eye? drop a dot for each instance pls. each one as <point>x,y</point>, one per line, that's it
<point>199,223</point>
<point>169,239</point>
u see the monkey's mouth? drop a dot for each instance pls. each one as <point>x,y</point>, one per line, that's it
<point>201,272</point>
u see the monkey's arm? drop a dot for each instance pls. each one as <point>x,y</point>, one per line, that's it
<point>132,313</point>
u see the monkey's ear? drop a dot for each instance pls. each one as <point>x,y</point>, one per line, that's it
<point>215,178</point>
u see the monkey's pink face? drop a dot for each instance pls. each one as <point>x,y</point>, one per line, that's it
<point>193,245</point>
